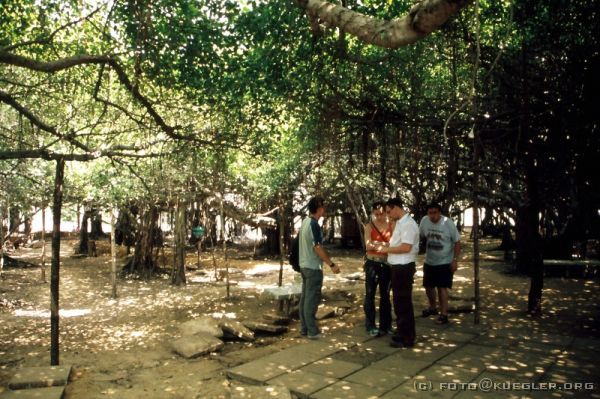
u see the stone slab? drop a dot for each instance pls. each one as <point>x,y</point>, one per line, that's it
<point>264,327</point>
<point>381,345</point>
<point>258,371</point>
<point>359,355</point>
<point>35,393</point>
<point>196,345</point>
<point>430,351</point>
<point>204,324</point>
<point>321,348</point>
<point>330,367</point>
<point>378,378</point>
<point>426,390</point>
<point>464,360</point>
<point>401,366</point>
<point>303,383</point>
<point>261,370</point>
<point>443,373</point>
<point>450,335</point>
<point>237,330</point>
<point>586,344</point>
<point>277,319</point>
<point>40,377</point>
<point>325,312</point>
<point>521,365</point>
<point>348,390</point>
<point>284,292</point>
<point>240,391</point>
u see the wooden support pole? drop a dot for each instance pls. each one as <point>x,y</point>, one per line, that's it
<point>281,239</point>
<point>224,246</point>
<point>55,267</point>
<point>113,254</point>
<point>43,262</point>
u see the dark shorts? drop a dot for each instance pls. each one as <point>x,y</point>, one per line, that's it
<point>437,276</point>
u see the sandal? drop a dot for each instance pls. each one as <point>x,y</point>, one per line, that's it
<point>442,319</point>
<point>429,312</point>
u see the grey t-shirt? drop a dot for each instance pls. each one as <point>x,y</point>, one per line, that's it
<point>310,235</point>
<point>441,237</point>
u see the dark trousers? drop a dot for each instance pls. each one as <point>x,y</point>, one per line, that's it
<point>377,274</point>
<point>312,281</point>
<point>402,283</point>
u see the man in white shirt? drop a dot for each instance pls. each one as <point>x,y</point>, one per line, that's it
<point>402,251</point>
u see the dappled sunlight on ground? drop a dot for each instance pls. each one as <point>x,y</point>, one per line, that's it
<point>121,345</point>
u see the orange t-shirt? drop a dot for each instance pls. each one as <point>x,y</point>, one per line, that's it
<point>385,236</point>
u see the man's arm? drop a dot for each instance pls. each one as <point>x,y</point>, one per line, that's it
<point>400,249</point>
<point>322,254</point>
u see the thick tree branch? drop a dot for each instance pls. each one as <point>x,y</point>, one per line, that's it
<point>423,18</point>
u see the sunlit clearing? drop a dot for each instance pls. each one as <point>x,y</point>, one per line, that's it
<point>46,313</point>
<point>220,315</point>
<point>262,268</point>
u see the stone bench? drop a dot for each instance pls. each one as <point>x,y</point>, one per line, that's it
<point>571,268</point>
<point>285,295</point>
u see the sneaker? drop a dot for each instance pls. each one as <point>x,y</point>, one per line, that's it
<point>317,336</point>
<point>429,312</point>
<point>374,332</point>
<point>442,319</point>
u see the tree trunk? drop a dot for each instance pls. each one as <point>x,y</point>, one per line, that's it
<point>27,228</point>
<point>14,222</point>
<point>96,230</point>
<point>83,247</point>
<point>178,276</point>
<point>55,267</point>
<point>143,262</point>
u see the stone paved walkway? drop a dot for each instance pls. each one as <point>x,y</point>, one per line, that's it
<point>456,360</point>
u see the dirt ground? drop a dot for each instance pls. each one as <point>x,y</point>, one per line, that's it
<point>120,348</point>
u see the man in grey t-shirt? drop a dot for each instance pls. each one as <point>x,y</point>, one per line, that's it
<point>312,256</point>
<point>441,259</point>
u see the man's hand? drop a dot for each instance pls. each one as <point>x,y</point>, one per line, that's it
<point>454,266</point>
<point>335,269</point>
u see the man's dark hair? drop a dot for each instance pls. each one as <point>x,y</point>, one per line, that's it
<point>377,205</point>
<point>392,202</point>
<point>314,204</point>
<point>434,205</point>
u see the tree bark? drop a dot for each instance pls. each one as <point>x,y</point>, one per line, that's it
<point>83,233</point>
<point>143,262</point>
<point>55,267</point>
<point>178,276</point>
<point>96,225</point>
<point>423,18</point>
